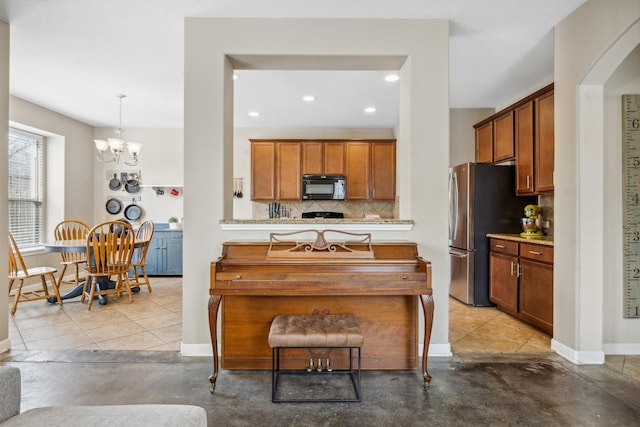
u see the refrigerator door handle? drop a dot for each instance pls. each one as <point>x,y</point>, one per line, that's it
<point>453,205</point>
<point>458,254</point>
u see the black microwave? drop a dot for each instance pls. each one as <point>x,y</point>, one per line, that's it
<point>323,187</point>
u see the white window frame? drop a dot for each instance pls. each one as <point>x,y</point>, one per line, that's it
<point>27,188</point>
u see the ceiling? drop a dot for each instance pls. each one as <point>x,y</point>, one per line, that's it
<point>74,56</point>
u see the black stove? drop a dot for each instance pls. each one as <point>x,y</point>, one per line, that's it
<point>322,214</point>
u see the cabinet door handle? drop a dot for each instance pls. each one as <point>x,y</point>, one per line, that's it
<point>535,253</point>
<point>519,270</point>
<point>512,268</point>
<point>500,246</point>
<point>528,179</point>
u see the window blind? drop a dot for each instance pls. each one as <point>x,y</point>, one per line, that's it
<point>26,187</point>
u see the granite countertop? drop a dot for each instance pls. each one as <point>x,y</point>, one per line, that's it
<point>316,221</point>
<point>353,224</point>
<point>542,240</point>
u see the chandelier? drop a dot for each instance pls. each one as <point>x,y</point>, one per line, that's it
<point>116,145</point>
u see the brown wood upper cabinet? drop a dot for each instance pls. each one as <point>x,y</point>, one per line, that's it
<point>263,170</point>
<point>534,124</point>
<point>278,165</point>
<point>523,131</point>
<point>503,145</point>
<point>524,148</point>
<point>544,142</point>
<point>494,139</point>
<point>383,171</point>
<point>275,170</point>
<point>357,170</point>
<point>370,170</point>
<point>484,143</point>
<point>322,158</point>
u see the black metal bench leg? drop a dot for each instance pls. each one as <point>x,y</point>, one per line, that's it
<point>354,374</point>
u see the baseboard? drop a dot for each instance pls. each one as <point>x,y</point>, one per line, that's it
<point>578,357</point>
<point>437,350</point>
<point>629,349</point>
<point>198,350</point>
<point>5,345</point>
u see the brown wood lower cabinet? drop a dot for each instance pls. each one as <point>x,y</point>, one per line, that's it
<point>521,281</point>
<point>503,290</point>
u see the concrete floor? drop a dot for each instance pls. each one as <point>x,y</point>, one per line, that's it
<point>503,372</point>
<point>470,389</point>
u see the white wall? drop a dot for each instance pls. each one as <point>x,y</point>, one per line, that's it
<point>4,185</point>
<point>462,135</point>
<point>212,46</point>
<point>161,164</point>
<point>581,70</point>
<point>618,333</point>
<point>242,153</point>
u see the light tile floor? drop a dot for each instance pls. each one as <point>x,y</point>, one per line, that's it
<point>154,322</point>
<point>488,330</point>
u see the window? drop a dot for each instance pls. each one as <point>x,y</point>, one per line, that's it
<point>26,187</point>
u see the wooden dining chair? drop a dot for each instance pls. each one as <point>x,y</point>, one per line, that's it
<point>139,263</point>
<point>109,250</point>
<point>71,229</point>
<point>18,271</point>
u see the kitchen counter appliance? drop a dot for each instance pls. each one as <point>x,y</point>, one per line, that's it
<point>323,187</point>
<point>322,214</point>
<point>481,200</point>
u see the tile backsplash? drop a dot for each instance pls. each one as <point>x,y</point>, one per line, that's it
<point>350,209</point>
<point>546,202</point>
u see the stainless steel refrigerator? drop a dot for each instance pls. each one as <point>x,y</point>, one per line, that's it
<point>482,199</point>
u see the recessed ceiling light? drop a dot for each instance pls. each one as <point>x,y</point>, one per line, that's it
<point>308,98</point>
<point>370,110</point>
<point>254,114</point>
<point>392,77</point>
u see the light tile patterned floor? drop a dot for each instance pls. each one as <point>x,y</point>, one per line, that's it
<point>488,330</point>
<point>154,322</point>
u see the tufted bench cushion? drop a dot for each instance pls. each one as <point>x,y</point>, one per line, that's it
<point>330,330</point>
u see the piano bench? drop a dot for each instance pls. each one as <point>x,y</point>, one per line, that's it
<point>315,332</point>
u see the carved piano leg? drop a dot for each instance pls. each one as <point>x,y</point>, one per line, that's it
<point>427,307</point>
<point>214,304</point>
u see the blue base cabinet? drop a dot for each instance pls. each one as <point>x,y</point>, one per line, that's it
<point>164,257</point>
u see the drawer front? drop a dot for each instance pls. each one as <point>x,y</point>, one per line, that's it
<point>537,252</point>
<point>504,246</point>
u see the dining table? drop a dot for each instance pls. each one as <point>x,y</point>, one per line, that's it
<point>80,246</point>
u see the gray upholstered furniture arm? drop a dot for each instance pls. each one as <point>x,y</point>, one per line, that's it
<point>10,396</point>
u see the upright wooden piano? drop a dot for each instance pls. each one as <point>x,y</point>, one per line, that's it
<point>378,282</point>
